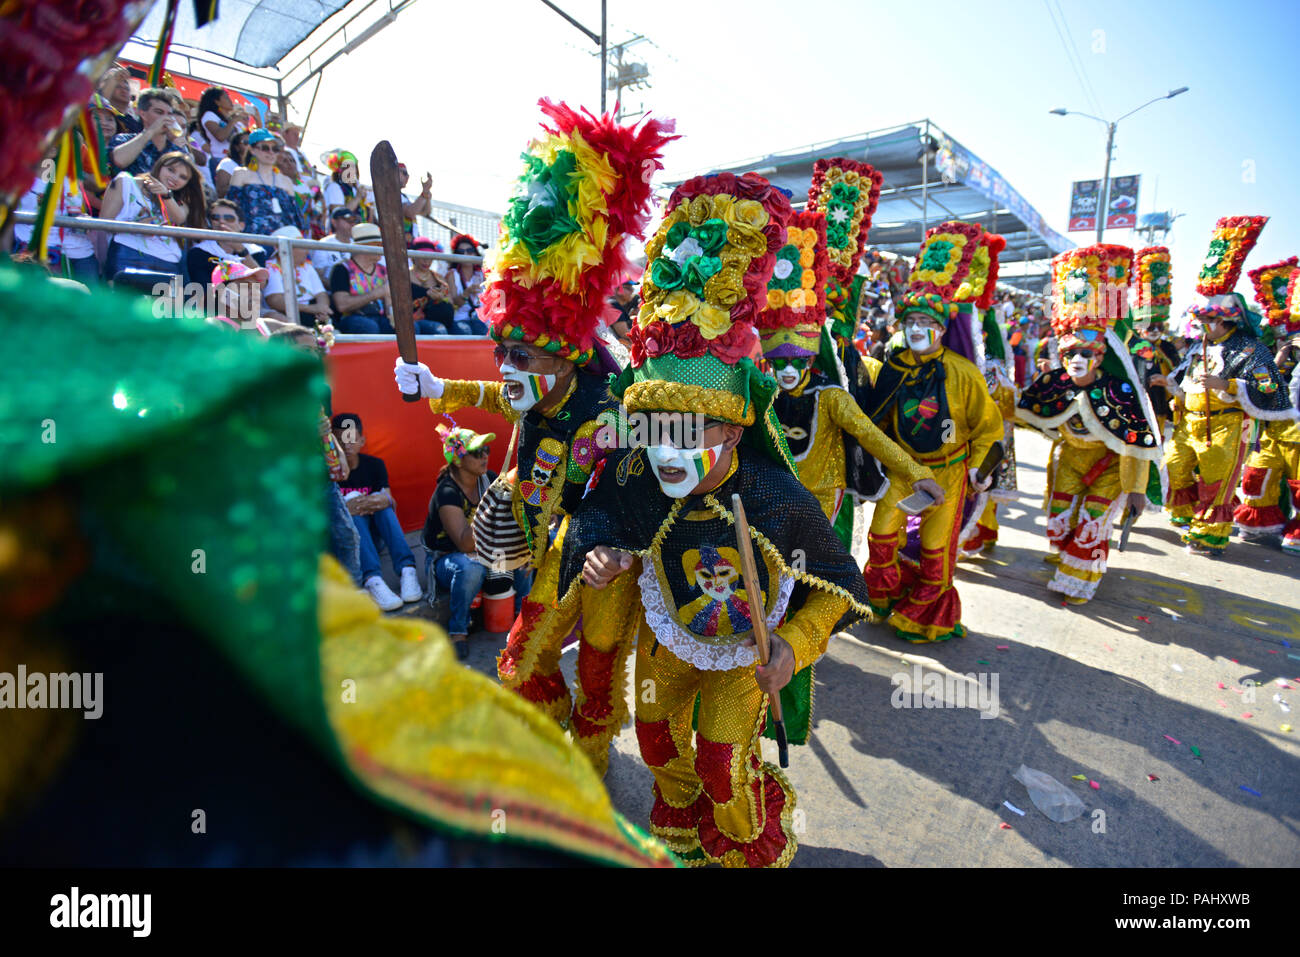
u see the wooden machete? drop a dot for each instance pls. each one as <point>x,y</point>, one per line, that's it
<point>388,204</point>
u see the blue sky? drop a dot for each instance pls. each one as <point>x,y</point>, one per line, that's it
<point>454,88</point>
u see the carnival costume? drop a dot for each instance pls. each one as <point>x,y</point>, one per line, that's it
<point>999,373</point>
<point>816,411</point>
<point>1144,332</point>
<point>1104,431</point>
<point>1204,458</point>
<point>1276,461</point>
<point>138,546</point>
<point>714,799</point>
<point>937,407</point>
<point>846,192</point>
<point>583,191</point>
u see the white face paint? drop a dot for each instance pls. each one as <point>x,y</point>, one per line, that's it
<point>789,377</point>
<point>524,389</point>
<point>691,466</point>
<point>1077,367</point>
<point>920,337</point>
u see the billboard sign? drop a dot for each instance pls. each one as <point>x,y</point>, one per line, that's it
<point>1121,208</point>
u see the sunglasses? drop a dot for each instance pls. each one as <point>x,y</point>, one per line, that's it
<point>224,218</point>
<point>1081,353</point>
<point>779,364</point>
<point>480,453</point>
<point>520,359</point>
<point>268,147</point>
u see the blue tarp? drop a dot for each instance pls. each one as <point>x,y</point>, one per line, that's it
<point>257,34</point>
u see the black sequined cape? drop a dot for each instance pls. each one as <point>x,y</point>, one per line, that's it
<point>1108,408</point>
<point>1247,359</point>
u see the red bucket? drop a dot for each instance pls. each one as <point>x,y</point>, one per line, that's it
<point>499,611</point>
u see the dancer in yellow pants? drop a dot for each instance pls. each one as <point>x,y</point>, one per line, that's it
<point>1098,411</point>
<point>584,190</point>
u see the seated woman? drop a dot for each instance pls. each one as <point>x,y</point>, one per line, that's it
<point>264,194</point>
<point>170,194</point>
<point>447,535</point>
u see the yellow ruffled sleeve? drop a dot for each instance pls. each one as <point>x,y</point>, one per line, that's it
<point>488,396</point>
<point>808,631</point>
<point>848,415</point>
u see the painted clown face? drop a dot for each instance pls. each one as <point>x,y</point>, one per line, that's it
<point>719,581</point>
<point>789,371</point>
<point>680,471</point>
<point>921,333</point>
<point>1081,360</point>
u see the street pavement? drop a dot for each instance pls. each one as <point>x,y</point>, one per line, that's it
<point>1174,646</point>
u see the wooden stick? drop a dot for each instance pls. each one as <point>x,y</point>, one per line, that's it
<point>388,205</point>
<point>758,619</point>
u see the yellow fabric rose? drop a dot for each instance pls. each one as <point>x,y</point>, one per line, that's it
<point>712,321</point>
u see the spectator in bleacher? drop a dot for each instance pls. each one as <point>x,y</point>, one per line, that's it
<point>429,294</point>
<point>374,512</point>
<point>233,160</point>
<point>625,304</point>
<point>411,207</point>
<point>115,86</point>
<point>164,132</point>
<point>343,188</point>
<point>302,191</point>
<point>447,536</point>
<point>342,220</point>
<point>359,287</point>
<point>466,283</point>
<point>313,303</point>
<point>105,123</point>
<point>238,293</point>
<point>170,194</point>
<point>204,256</point>
<point>63,244</point>
<point>264,194</point>
<point>218,120</point>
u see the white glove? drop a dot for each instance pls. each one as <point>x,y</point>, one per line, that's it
<point>410,376</point>
<point>975,482</point>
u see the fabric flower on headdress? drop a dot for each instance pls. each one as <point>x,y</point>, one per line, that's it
<point>847,192</point>
<point>1271,283</point>
<point>982,280</point>
<point>1090,291</point>
<point>1232,240</point>
<point>796,294</point>
<point>335,159</point>
<point>584,188</point>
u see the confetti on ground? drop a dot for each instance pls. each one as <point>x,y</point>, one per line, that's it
<point>1005,826</point>
<point>1221,685</point>
<point>1171,613</point>
<point>1177,668</point>
<point>1003,647</point>
<point>1143,618</point>
<point>1222,703</point>
<point>1012,807</point>
<point>1281,683</point>
<point>1274,651</point>
<point>1107,647</point>
<point>1196,751</point>
<point>1248,715</point>
<point>1152,777</point>
<point>1182,600</point>
<point>1251,791</point>
<point>1079,777</point>
<point>1285,727</point>
<point>1234,661</point>
<point>1174,740</point>
<point>1094,785</point>
<point>980,661</point>
<point>1285,642</point>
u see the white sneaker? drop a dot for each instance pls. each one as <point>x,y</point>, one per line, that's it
<point>411,590</point>
<point>382,594</point>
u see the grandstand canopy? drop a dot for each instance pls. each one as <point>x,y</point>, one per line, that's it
<point>951,184</point>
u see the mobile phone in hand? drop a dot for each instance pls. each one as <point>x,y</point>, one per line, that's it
<point>916,503</point>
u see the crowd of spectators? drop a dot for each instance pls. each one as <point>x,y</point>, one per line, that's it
<point>214,165</point>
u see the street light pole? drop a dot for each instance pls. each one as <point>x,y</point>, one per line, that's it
<point>604,38</point>
<point>1104,195</point>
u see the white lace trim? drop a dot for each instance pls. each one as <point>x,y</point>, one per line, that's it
<point>686,646</point>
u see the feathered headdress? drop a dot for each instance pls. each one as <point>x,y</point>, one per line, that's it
<point>1153,286</point>
<point>705,283</point>
<point>585,188</point>
<point>1271,284</point>
<point>1232,240</point>
<point>791,325</point>
<point>1090,292</point>
<point>334,160</point>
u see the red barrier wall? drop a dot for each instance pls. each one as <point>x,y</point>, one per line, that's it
<point>401,433</point>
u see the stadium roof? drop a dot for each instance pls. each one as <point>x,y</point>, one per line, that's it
<point>954,184</point>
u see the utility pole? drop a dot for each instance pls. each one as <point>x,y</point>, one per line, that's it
<point>630,74</point>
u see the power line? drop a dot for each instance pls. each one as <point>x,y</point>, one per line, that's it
<point>1087,76</point>
<point>1070,54</point>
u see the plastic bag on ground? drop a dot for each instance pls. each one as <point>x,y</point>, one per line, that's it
<point>1049,795</point>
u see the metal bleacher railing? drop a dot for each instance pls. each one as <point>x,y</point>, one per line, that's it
<point>283,245</point>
